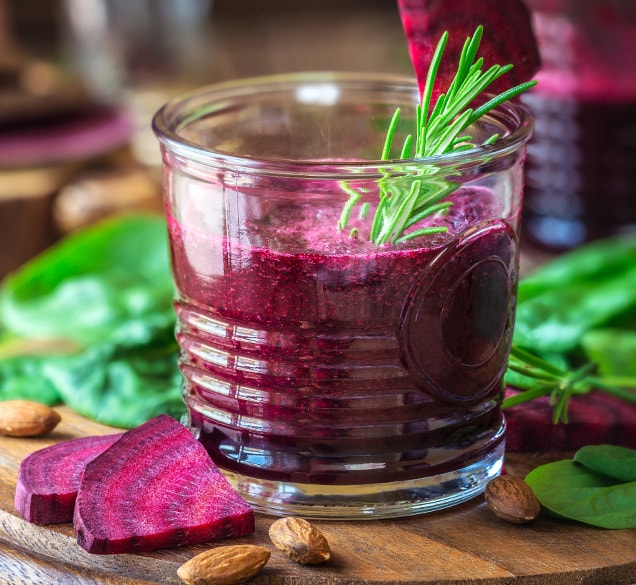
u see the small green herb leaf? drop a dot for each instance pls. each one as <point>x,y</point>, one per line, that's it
<point>537,377</point>
<point>572,491</point>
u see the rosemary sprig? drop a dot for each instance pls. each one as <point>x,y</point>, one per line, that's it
<point>439,130</point>
<point>537,377</point>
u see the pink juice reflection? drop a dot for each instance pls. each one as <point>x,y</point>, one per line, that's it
<point>341,363</point>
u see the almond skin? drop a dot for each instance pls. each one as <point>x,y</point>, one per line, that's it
<point>300,541</point>
<point>224,565</point>
<point>23,418</point>
<point>511,499</point>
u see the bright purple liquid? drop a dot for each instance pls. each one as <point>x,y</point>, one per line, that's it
<point>355,364</point>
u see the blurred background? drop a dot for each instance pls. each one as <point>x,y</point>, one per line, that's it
<point>80,80</point>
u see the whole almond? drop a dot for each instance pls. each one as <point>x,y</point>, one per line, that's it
<point>511,499</point>
<point>23,418</point>
<point>300,541</point>
<point>224,565</point>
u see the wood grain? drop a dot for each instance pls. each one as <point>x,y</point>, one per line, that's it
<point>467,545</point>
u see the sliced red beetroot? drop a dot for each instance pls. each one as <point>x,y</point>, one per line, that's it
<point>156,488</point>
<point>593,419</point>
<point>508,37</point>
<point>48,479</point>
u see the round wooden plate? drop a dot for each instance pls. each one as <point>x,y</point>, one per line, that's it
<point>466,545</point>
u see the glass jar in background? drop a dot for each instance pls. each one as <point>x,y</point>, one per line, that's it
<point>140,54</point>
<point>118,45</point>
<point>581,165</point>
<point>327,375</point>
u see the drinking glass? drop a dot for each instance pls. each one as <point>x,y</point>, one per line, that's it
<point>330,376</point>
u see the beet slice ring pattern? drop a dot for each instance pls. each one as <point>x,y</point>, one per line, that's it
<point>156,488</point>
<point>49,478</point>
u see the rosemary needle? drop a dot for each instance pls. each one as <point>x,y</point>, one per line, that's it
<point>440,129</point>
<point>537,377</point>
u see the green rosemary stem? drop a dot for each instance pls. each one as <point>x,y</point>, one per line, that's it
<point>440,129</point>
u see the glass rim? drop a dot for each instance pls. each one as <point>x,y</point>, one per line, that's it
<point>170,137</point>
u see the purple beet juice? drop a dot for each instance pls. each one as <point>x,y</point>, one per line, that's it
<point>581,164</point>
<point>312,357</point>
<point>326,375</point>
<point>575,193</point>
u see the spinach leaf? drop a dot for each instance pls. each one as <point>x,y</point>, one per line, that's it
<point>614,350</point>
<point>21,378</point>
<point>572,491</point>
<point>118,385</point>
<point>556,320</point>
<point>90,323</point>
<point>88,285</point>
<point>612,460</point>
<point>592,262</point>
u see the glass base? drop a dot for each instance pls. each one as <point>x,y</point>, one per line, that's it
<point>369,501</point>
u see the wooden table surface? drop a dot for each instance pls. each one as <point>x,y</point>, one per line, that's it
<point>462,546</point>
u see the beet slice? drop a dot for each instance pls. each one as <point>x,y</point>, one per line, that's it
<point>48,479</point>
<point>156,488</point>
<point>508,37</point>
<point>594,419</point>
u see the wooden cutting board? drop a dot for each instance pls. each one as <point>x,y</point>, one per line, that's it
<point>464,546</point>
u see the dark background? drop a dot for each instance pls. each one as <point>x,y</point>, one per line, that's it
<point>261,36</point>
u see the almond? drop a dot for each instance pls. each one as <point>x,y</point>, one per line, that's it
<point>224,565</point>
<point>300,540</point>
<point>511,499</point>
<point>23,418</point>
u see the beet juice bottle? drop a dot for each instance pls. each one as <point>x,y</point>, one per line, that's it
<point>581,165</point>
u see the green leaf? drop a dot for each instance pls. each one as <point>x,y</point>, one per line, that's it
<point>590,263</point>
<point>119,386</point>
<point>386,151</point>
<point>572,491</point>
<point>90,323</point>
<point>556,320</point>
<point>87,285</point>
<point>614,350</point>
<point>114,383</point>
<point>22,378</point>
<point>612,460</point>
